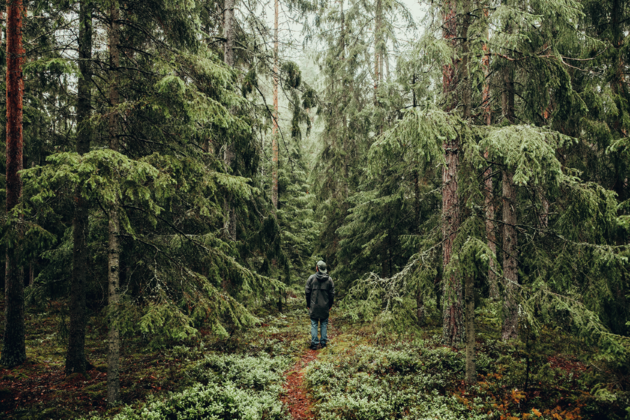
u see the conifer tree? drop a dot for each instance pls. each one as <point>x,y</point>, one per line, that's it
<point>75,357</point>
<point>452,317</point>
<point>13,344</point>
<point>113,246</point>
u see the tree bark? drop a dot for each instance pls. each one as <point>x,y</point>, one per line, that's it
<point>469,280</point>
<point>377,46</point>
<point>488,183</point>
<point>75,356</point>
<point>113,351</point>
<point>452,315</point>
<point>510,263</point>
<point>228,155</point>
<point>471,368</point>
<point>510,251</point>
<point>420,308</point>
<point>13,345</point>
<point>274,132</point>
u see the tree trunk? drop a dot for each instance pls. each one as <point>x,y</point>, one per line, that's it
<point>75,356</point>
<point>510,263</point>
<point>274,132</point>
<point>13,345</point>
<point>228,155</point>
<point>452,315</point>
<point>113,351</point>
<point>510,251</point>
<point>488,190</point>
<point>544,216</point>
<point>469,280</point>
<point>471,369</point>
<point>377,46</point>
<point>420,308</point>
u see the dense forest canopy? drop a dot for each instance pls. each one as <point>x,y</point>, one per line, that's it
<point>172,167</point>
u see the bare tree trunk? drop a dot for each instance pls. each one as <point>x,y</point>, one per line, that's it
<point>75,356</point>
<point>471,368</point>
<point>510,251</point>
<point>13,345</point>
<point>113,351</point>
<point>452,315</point>
<point>488,190</point>
<point>274,132</point>
<point>228,155</point>
<point>420,309</point>
<point>510,262</point>
<point>544,217</point>
<point>378,56</point>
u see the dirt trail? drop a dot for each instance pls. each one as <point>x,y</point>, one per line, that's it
<point>296,398</point>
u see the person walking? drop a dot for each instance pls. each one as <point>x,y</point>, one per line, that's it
<point>320,296</point>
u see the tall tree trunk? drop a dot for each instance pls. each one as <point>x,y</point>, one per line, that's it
<point>378,58</point>
<point>113,351</point>
<point>452,315</point>
<point>75,356</point>
<point>510,251</point>
<point>488,187</point>
<point>274,132</point>
<point>510,263</point>
<point>13,345</point>
<point>228,155</point>
<point>469,280</point>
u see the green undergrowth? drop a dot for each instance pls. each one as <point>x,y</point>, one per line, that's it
<point>405,380</point>
<point>206,364</point>
<point>226,387</point>
<point>371,375</point>
<point>237,378</point>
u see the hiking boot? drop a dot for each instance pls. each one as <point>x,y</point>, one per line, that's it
<point>313,347</point>
<point>324,345</point>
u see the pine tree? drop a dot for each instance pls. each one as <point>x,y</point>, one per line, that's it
<point>113,246</point>
<point>75,357</point>
<point>13,344</point>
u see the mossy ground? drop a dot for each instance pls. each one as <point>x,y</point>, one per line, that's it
<point>364,373</point>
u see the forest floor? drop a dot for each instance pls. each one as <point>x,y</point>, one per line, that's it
<point>268,373</point>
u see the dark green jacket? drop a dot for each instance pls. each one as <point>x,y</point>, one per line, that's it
<point>320,295</point>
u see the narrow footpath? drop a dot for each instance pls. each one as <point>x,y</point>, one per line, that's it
<point>296,398</point>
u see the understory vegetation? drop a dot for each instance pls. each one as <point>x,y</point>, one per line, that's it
<point>176,170</point>
<point>360,375</point>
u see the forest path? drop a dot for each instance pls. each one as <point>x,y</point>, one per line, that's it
<point>296,398</point>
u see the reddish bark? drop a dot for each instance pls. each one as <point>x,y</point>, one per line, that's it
<point>13,348</point>
<point>452,327</point>
<point>15,89</point>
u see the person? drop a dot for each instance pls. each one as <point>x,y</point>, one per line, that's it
<point>320,296</point>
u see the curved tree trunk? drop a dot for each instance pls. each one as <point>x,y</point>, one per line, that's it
<point>13,345</point>
<point>75,356</point>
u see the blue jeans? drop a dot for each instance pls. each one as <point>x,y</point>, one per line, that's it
<point>324,327</point>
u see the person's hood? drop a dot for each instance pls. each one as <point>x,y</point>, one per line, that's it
<point>321,276</point>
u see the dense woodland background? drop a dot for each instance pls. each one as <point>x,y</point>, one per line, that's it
<point>186,163</point>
